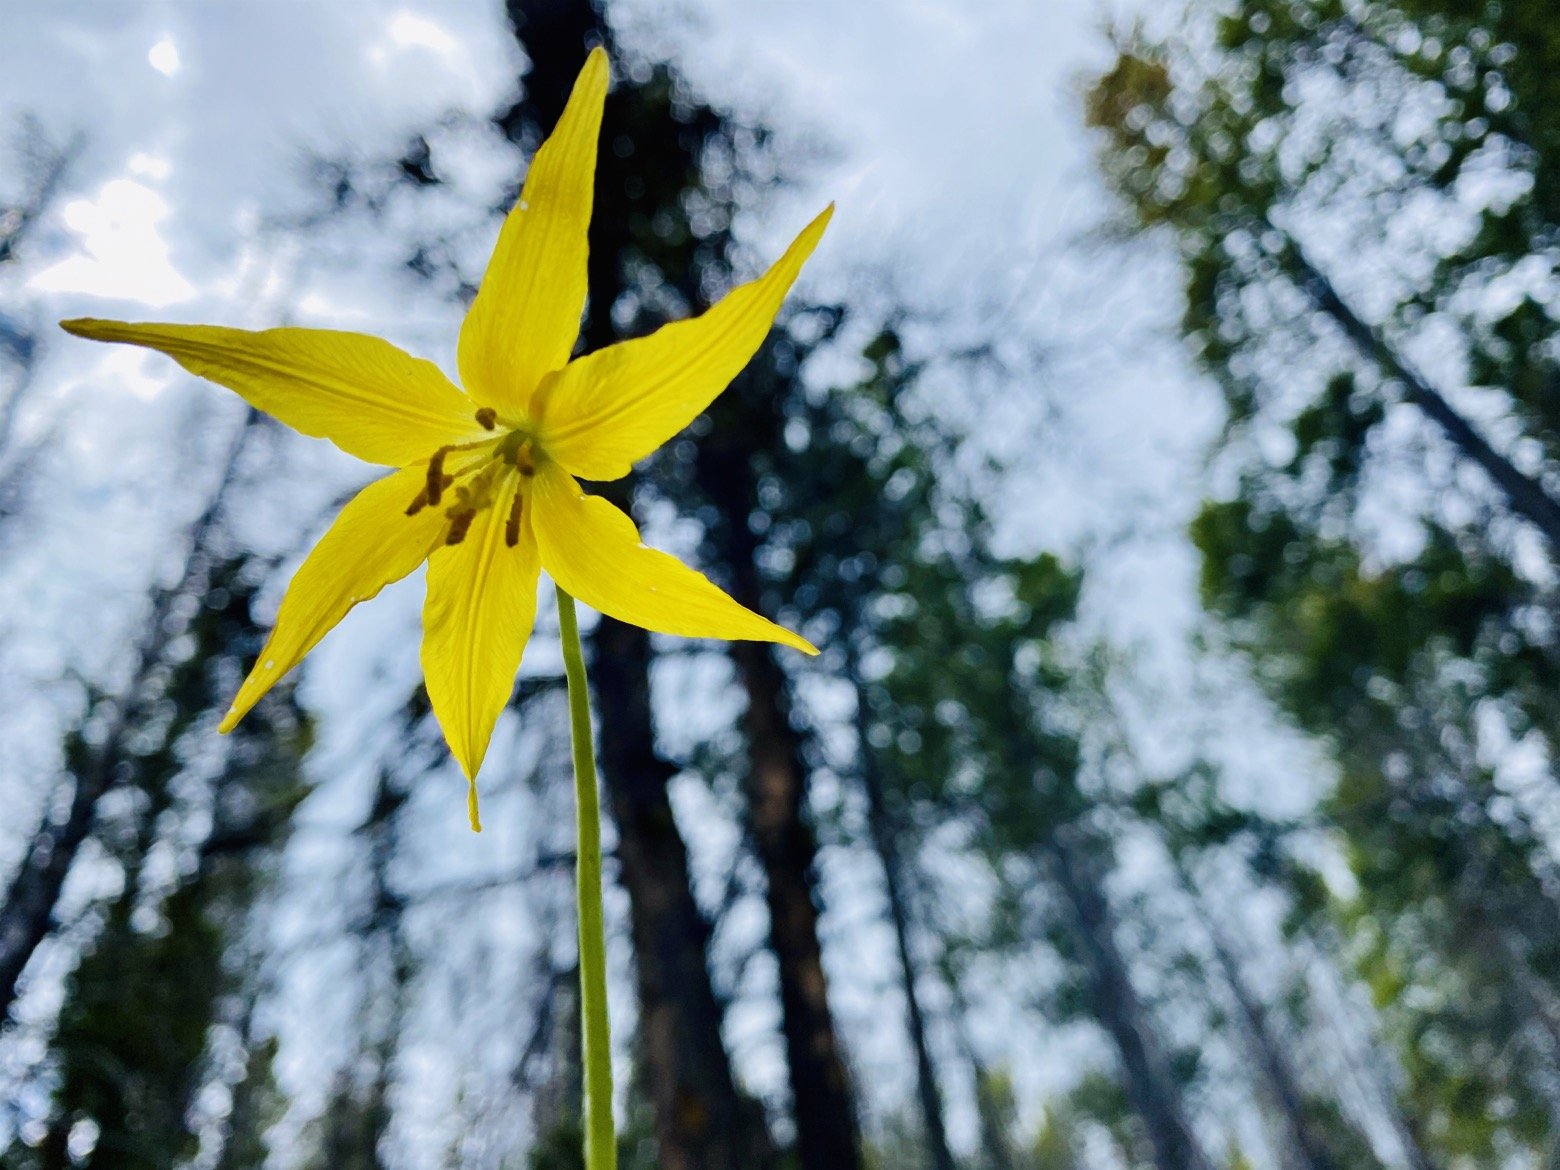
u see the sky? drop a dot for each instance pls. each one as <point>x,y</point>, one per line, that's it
<point>948,133</point>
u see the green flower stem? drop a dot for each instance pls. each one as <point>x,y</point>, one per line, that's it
<point>600,1136</point>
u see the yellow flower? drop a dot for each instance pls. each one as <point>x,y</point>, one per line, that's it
<point>486,491</point>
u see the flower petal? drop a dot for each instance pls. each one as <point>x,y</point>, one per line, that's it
<point>526,316</point>
<point>613,407</point>
<point>363,394</point>
<point>477,619</point>
<point>594,552</point>
<point>372,543</point>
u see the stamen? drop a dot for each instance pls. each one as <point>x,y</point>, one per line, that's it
<point>436,480</point>
<point>488,417</point>
<point>460,524</point>
<point>512,525</point>
<point>421,501</point>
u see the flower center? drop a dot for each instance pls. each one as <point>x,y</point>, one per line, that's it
<point>473,484</point>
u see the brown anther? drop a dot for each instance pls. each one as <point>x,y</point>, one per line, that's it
<point>488,417</point>
<point>421,502</point>
<point>512,525</point>
<point>436,477</point>
<point>460,524</point>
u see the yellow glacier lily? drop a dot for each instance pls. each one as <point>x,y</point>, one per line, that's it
<point>486,492</point>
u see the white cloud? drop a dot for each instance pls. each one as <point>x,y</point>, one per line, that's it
<point>123,255</point>
<point>407,30</point>
<point>164,57</point>
<point>150,166</point>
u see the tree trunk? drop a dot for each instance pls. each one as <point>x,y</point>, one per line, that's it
<point>556,34</point>
<point>702,1121</point>
<point>383,1011</point>
<point>885,842</point>
<point>27,914</point>
<point>1526,496</point>
<point>826,1132</point>
<point>1307,1147</point>
<point>1325,954</point>
<point>1146,1075</point>
<point>827,1135</point>
<point>994,1110</point>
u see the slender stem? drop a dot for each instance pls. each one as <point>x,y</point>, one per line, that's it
<point>600,1138</point>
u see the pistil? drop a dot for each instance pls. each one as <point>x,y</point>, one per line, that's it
<point>519,449</point>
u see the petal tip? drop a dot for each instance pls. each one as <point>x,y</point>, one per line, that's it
<point>595,73</point>
<point>89,327</point>
<point>797,642</point>
<point>473,809</point>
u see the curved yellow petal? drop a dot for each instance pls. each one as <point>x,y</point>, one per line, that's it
<point>607,410</point>
<point>594,552</point>
<point>526,316</point>
<point>363,394</point>
<point>477,619</point>
<point>371,544</point>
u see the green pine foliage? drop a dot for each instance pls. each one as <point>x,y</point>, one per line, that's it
<point>1389,597</point>
<point>129,1051</point>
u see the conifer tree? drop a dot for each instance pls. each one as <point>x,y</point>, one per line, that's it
<point>130,1045</point>
<point>668,174</point>
<point>1376,558</point>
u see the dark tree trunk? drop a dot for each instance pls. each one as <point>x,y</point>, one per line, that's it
<point>1307,1147</point>
<point>1146,1076</point>
<point>826,1132</point>
<point>992,1107</point>
<point>885,841</point>
<point>827,1136</point>
<point>384,1008</point>
<point>1526,496</point>
<point>702,1121</point>
<point>27,914</point>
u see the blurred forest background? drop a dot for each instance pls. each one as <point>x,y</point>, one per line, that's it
<point>1036,867</point>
